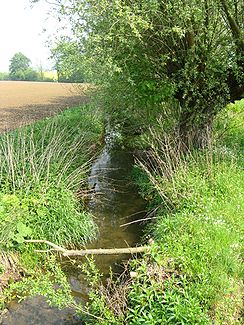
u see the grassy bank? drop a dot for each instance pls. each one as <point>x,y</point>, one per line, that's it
<point>43,177</point>
<point>193,273</point>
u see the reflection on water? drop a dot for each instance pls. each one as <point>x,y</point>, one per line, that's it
<point>35,311</point>
<point>115,201</point>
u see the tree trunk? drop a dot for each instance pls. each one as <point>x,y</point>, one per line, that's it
<point>194,130</point>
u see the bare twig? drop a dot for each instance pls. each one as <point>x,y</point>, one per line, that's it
<point>138,220</point>
<point>56,247</point>
<point>99,251</point>
<point>106,251</point>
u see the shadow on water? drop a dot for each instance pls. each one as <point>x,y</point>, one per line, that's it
<point>115,202</point>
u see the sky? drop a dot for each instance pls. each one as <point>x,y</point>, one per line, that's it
<point>21,30</point>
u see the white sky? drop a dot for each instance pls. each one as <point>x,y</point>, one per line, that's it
<point>21,30</point>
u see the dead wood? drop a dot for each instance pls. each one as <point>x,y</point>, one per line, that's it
<point>83,252</point>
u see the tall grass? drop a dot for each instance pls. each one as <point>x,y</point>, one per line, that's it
<point>41,168</point>
<point>43,171</point>
<point>26,160</point>
<point>198,235</point>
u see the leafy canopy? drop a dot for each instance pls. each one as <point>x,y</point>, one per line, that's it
<point>148,53</point>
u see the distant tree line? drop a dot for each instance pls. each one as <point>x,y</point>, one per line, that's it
<point>4,76</point>
<point>20,70</point>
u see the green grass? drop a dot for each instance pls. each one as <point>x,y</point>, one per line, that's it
<point>193,273</point>
<point>198,234</point>
<point>42,167</point>
<point>43,172</point>
<point>43,177</point>
<point>199,246</point>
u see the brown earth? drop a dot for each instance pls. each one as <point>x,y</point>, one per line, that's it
<point>23,102</point>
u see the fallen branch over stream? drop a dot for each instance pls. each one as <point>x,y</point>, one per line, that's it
<point>83,252</point>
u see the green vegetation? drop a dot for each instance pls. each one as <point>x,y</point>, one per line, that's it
<point>68,61</point>
<point>48,281</point>
<point>4,76</point>
<point>193,273</point>
<point>41,168</point>
<point>145,53</point>
<point>45,76</point>
<point>42,180</point>
<point>20,69</point>
<point>166,72</point>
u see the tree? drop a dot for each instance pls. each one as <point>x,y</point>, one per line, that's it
<point>68,60</point>
<point>20,69</point>
<point>18,65</point>
<point>150,54</point>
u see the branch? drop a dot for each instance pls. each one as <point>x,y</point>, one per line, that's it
<point>99,251</point>
<point>233,26</point>
<point>138,220</point>
<point>108,251</point>
<point>56,247</point>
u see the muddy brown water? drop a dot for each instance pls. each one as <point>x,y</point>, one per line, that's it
<point>115,202</point>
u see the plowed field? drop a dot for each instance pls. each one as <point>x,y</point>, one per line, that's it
<point>24,102</point>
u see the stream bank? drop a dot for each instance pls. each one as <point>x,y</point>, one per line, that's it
<point>115,201</point>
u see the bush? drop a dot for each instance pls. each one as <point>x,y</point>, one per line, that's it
<point>4,76</point>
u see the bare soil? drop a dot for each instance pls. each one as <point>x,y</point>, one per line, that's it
<point>23,102</point>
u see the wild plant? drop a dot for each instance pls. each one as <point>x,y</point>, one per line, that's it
<point>29,159</point>
<point>198,231</point>
<point>41,168</point>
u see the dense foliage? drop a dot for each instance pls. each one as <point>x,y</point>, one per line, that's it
<point>172,68</point>
<point>148,53</point>
<point>68,61</point>
<point>43,168</point>
<point>4,76</point>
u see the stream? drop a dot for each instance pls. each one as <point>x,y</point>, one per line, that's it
<point>115,202</point>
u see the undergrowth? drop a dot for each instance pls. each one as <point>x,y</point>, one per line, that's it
<point>43,172</point>
<point>193,272</point>
<point>42,167</point>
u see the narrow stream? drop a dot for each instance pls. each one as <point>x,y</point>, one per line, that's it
<point>115,202</point>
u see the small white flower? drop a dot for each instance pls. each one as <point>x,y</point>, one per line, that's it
<point>235,246</point>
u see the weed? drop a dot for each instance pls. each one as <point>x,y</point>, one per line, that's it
<point>41,168</point>
<point>50,283</point>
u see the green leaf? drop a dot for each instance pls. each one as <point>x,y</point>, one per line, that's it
<point>23,230</point>
<point>19,238</point>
